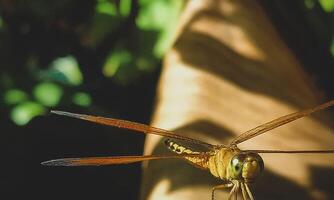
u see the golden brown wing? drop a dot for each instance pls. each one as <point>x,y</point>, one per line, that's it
<point>278,122</point>
<point>296,151</point>
<point>112,160</point>
<point>132,126</point>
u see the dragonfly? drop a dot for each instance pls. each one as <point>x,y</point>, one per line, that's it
<point>237,168</point>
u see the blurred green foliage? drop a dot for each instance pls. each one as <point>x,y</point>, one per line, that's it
<point>125,7</point>
<point>82,99</point>
<point>327,5</point>
<point>65,70</point>
<point>332,47</point>
<point>24,112</point>
<point>53,53</point>
<point>47,93</point>
<point>69,53</point>
<point>115,61</point>
<point>106,7</point>
<point>160,16</point>
<point>15,96</point>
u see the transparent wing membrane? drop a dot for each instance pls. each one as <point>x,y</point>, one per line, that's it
<point>112,160</point>
<point>278,122</point>
<point>132,126</point>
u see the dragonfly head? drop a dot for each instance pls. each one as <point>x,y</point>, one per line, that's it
<point>245,166</point>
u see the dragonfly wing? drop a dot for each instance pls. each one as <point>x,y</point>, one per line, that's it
<point>295,151</point>
<point>278,122</point>
<point>113,160</point>
<point>132,126</point>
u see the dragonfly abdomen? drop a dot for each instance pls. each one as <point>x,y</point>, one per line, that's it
<point>200,161</point>
<point>177,148</point>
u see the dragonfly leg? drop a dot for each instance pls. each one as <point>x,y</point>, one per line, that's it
<point>243,191</point>
<point>222,186</point>
<point>249,192</point>
<point>234,191</point>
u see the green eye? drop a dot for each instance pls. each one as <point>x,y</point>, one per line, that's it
<point>236,166</point>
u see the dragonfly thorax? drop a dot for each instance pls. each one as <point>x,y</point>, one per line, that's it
<point>245,166</point>
<point>233,164</point>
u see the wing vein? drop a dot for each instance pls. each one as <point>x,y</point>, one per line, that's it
<point>278,122</point>
<point>114,160</point>
<point>292,151</point>
<point>132,126</point>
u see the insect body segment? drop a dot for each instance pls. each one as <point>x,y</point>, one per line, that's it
<point>218,163</point>
<point>202,161</point>
<point>177,148</point>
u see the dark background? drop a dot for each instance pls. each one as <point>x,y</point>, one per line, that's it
<point>98,35</point>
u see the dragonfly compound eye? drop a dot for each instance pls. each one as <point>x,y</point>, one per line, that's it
<point>253,165</point>
<point>236,166</point>
<point>245,166</point>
